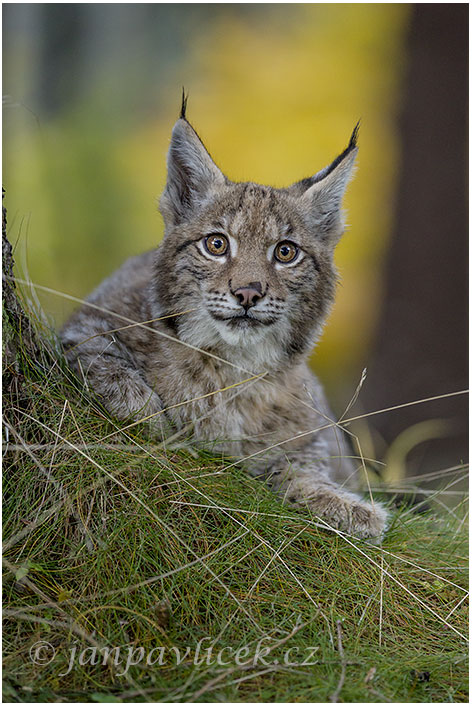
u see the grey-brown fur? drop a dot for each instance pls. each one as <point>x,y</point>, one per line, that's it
<point>138,371</point>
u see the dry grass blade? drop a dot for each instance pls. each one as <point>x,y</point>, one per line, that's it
<point>335,697</point>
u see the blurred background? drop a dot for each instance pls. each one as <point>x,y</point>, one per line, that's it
<point>91,92</point>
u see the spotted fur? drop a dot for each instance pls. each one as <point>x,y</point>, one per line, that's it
<point>193,365</point>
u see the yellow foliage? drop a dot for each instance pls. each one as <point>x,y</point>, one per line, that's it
<point>275,97</point>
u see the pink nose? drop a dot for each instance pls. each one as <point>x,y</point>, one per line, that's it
<point>250,295</point>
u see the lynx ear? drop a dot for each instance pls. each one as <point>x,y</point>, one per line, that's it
<point>321,195</point>
<point>191,173</point>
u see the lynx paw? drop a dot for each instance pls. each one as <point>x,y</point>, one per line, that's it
<point>348,513</point>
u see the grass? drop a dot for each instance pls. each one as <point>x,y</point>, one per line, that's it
<point>131,544</point>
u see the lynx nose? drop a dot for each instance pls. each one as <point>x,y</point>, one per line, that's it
<point>249,296</point>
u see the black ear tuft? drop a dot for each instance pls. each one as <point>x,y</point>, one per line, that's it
<point>183,107</point>
<point>354,136</point>
<point>340,158</point>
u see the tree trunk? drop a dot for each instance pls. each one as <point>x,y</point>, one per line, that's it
<point>421,347</point>
<point>19,338</point>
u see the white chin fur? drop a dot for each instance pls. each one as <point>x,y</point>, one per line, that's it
<point>258,348</point>
<point>202,330</point>
<point>240,336</point>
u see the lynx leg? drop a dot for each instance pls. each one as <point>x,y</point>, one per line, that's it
<point>108,368</point>
<point>340,508</point>
<point>119,386</point>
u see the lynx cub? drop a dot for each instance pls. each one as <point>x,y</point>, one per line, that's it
<point>232,303</point>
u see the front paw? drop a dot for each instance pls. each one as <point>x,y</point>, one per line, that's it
<point>347,512</point>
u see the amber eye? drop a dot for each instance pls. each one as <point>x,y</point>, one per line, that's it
<point>216,244</point>
<point>286,251</point>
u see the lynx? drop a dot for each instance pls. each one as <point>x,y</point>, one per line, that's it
<point>211,331</point>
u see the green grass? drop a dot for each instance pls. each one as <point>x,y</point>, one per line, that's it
<point>125,543</point>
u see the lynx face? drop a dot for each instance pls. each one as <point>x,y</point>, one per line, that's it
<point>254,263</point>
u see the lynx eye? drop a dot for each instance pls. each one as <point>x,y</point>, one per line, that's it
<point>286,251</point>
<point>216,244</point>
